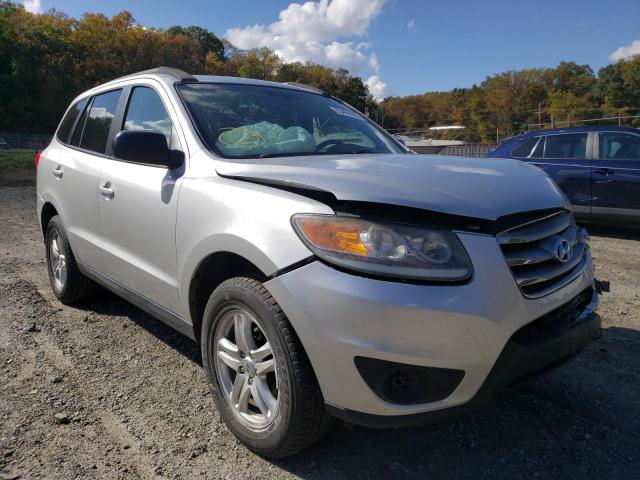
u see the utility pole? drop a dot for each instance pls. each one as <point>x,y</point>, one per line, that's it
<point>619,118</point>
<point>553,122</point>
<point>497,135</point>
<point>539,114</point>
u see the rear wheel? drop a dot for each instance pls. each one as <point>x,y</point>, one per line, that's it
<point>67,283</point>
<point>258,372</point>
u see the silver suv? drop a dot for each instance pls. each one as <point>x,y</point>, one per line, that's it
<point>325,271</point>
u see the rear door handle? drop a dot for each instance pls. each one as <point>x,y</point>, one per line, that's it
<point>604,171</point>
<point>106,190</point>
<point>57,172</point>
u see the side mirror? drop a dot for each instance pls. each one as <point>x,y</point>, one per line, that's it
<point>146,147</point>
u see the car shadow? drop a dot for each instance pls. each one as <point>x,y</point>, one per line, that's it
<point>621,233</point>
<point>108,303</point>
<point>579,420</point>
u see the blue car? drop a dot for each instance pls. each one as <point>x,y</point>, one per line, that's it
<point>598,168</point>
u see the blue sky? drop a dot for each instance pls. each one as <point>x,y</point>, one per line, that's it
<point>405,47</point>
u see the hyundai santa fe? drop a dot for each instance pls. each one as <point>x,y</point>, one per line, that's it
<point>326,272</point>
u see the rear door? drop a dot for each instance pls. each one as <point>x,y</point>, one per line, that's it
<point>77,173</point>
<point>564,158</point>
<point>616,178</point>
<point>137,206</point>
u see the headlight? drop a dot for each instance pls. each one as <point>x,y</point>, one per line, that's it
<point>385,249</point>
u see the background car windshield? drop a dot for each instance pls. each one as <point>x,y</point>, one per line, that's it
<point>250,121</point>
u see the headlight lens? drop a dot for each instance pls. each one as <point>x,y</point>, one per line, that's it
<point>385,249</point>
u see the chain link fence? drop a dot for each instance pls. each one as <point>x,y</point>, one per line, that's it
<point>24,141</point>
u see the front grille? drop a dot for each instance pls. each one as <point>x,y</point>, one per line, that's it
<point>546,253</point>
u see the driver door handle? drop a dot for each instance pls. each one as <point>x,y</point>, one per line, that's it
<point>106,190</point>
<point>604,171</point>
<point>57,172</point>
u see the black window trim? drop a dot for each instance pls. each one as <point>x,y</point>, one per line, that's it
<point>118,118</point>
<point>111,135</point>
<point>132,87</point>
<point>75,120</point>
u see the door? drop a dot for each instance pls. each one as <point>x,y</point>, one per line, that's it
<point>564,158</point>
<point>78,173</point>
<point>616,178</point>
<point>137,208</point>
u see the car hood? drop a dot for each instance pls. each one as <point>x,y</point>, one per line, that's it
<point>483,188</point>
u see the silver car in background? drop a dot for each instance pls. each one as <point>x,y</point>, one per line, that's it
<point>324,270</point>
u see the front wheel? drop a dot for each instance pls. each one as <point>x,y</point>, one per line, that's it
<point>260,377</point>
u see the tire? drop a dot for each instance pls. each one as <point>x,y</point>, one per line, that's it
<point>74,287</point>
<point>300,418</point>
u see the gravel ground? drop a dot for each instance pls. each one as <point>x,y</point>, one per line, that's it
<point>105,391</point>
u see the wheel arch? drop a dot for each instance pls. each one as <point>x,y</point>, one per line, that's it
<point>48,212</point>
<point>212,270</point>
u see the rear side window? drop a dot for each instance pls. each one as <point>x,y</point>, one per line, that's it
<point>567,145</point>
<point>98,123</point>
<point>619,146</point>
<point>146,112</point>
<point>69,119</point>
<point>524,149</point>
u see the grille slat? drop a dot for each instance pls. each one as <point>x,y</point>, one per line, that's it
<point>548,272</point>
<point>537,230</point>
<point>530,251</point>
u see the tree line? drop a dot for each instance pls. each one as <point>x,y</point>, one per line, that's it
<point>47,59</point>
<point>512,102</point>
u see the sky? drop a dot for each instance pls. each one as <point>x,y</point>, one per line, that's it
<point>403,47</point>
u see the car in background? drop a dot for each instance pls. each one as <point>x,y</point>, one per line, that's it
<point>598,168</point>
<point>4,147</point>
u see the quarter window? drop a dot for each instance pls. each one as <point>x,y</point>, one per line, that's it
<point>619,146</point>
<point>567,145</point>
<point>146,112</point>
<point>69,119</point>
<point>524,149</point>
<point>98,124</point>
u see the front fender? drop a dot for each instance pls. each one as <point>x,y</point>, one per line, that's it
<point>253,221</point>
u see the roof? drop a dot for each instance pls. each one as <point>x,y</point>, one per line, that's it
<point>591,128</point>
<point>170,75</point>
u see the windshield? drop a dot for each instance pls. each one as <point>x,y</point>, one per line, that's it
<point>253,121</point>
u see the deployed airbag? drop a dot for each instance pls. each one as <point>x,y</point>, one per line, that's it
<point>264,138</point>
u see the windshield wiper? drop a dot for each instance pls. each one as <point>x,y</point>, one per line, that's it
<point>294,154</point>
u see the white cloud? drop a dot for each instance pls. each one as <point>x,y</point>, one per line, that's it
<point>412,24</point>
<point>33,6</point>
<point>377,87</point>
<point>627,51</point>
<point>317,31</point>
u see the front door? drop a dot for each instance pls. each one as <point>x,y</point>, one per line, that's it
<point>137,208</point>
<point>616,178</point>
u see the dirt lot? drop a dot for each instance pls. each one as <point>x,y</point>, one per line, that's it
<point>134,403</point>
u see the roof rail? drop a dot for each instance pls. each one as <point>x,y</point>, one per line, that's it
<point>304,86</point>
<point>174,72</point>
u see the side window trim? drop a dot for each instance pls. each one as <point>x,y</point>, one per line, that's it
<point>131,89</point>
<point>77,119</point>
<point>117,119</point>
<point>87,109</point>
<point>540,139</point>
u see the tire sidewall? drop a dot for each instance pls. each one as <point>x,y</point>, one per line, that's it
<point>224,298</point>
<point>55,226</point>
